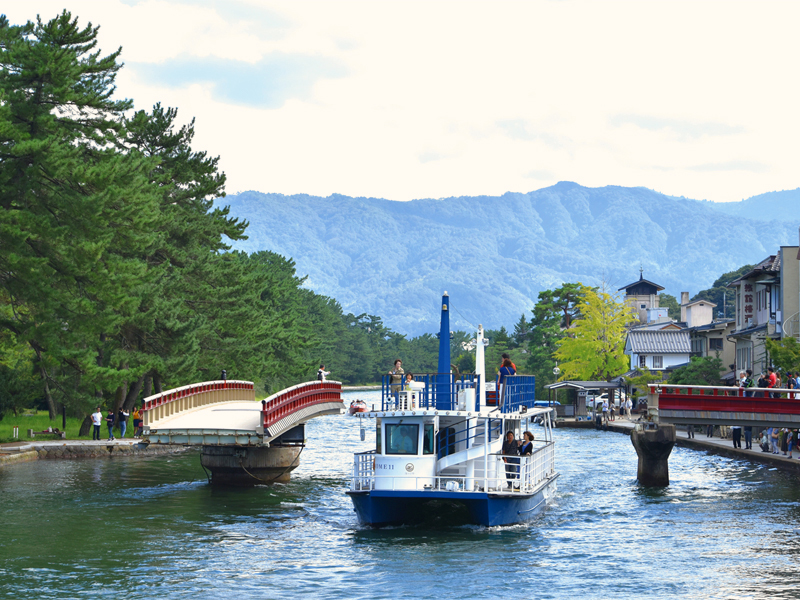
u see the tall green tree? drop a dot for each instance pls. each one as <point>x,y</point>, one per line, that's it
<point>719,294</point>
<point>700,371</point>
<point>784,354</point>
<point>672,306</point>
<point>594,350</point>
<point>77,212</point>
<point>553,315</point>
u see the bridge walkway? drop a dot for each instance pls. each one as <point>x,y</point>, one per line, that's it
<point>220,413</point>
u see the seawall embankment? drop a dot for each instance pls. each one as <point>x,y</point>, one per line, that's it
<point>714,445</point>
<point>72,449</point>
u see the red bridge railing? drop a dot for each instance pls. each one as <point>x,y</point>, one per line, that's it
<point>727,399</point>
<point>188,397</point>
<point>298,397</point>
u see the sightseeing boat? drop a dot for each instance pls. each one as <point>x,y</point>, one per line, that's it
<point>439,448</point>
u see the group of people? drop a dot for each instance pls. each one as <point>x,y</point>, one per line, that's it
<point>399,379</point>
<point>608,411</point>
<point>779,440</point>
<point>121,419</point>
<point>512,450</point>
<point>772,378</point>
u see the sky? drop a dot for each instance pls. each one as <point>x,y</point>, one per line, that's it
<point>404,100</point>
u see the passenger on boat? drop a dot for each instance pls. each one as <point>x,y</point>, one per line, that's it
<point>506,370</point>
<point>397,377</point>
<point>511,457</point>
<point>526,446</point>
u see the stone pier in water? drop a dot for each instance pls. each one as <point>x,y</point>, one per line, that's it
<point>653,443</point>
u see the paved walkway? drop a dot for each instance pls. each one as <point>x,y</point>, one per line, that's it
<point>701,442</point>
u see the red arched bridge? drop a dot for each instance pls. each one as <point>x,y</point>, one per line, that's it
<point>226,413</point>
<point>721,405</point>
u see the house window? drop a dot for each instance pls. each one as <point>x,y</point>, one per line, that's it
<point>715,344</point>
<point>658,362</point>
<point>642,360</point>
<point>643,305</point>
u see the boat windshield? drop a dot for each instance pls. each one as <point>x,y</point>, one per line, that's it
<point>402,439</point>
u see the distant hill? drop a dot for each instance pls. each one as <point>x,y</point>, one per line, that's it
<point>772,206</point>
<point>493,255</point>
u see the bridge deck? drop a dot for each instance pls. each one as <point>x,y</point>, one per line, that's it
<point>242,415</point>
<point>210,414</point>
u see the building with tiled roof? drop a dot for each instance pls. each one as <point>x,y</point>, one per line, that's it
<point>658,350</point>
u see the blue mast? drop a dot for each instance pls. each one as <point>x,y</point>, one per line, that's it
<point>443,400</point>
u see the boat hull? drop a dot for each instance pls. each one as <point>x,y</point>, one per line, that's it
<point>379,508</point>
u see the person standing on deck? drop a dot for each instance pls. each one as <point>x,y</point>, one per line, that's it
<point>396,379</point>
<point>506,370</point>
<point>510,451</point>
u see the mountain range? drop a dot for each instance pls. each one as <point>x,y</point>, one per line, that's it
<point>494,254</point>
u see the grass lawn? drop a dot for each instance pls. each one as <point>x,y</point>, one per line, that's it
<point>39,421</point>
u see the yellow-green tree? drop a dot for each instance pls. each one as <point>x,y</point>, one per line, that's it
<point>594,350</point>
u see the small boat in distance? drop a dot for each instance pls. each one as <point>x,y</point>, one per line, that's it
<point>439,448</point>
<point>357,406</point>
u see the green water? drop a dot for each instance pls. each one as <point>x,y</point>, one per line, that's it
<point>153,528</point>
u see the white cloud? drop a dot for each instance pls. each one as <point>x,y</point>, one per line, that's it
<point>433,99</point>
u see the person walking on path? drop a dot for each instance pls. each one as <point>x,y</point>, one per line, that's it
<point>748,438</point>
<point>123,421</point>
<point>137,422</point>
<point>605,411</point>
<point>736,434</point>
<point>690,432</point>
<point>97,421</point>
<point>110,423</point>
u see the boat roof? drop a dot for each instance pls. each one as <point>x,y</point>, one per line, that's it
<point>494,413</point>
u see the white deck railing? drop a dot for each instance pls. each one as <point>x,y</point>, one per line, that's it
<point>523,478</point>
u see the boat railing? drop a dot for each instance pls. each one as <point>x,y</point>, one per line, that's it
<point>439,391</point>
<point>524,477</point>
<point>518,391</point>
<point>363,470</point>
<point>452,439</point>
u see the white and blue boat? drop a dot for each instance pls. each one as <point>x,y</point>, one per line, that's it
<point>439,448</point>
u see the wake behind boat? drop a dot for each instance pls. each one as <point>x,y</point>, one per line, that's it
<point>439,444</point>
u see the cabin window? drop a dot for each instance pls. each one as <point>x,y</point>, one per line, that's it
<point>427,440</point>
<point>378,438</point>
<point>402,439</point>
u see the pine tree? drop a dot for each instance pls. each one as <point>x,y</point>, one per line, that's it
<point>76,212</point>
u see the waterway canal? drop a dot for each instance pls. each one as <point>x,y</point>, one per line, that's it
<point>153,528</point>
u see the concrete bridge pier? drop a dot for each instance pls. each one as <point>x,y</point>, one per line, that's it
<point>246,466</point>
<point>653,443</point>
<point>249,466</point>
